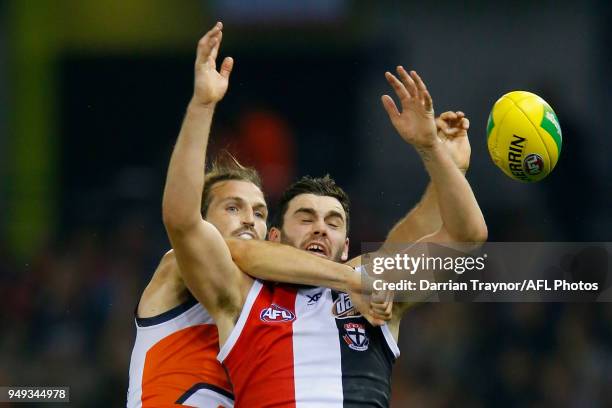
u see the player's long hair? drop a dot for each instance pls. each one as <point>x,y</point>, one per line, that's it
<point>223,168</point>
<point>321,186</point>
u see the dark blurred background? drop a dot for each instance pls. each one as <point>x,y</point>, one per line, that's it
<point>91,99</point>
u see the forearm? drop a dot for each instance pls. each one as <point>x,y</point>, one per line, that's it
<point>459,210</point>
<point>422,220</point>
<point>282,263</point>
<point>185,179</point>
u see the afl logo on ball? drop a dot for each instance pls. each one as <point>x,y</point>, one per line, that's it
<point>533,164</point>
<point>276,314</point>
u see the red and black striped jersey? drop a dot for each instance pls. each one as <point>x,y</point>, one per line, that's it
<point>298,346</point>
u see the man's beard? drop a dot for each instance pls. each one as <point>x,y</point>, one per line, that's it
<point>287,241</point>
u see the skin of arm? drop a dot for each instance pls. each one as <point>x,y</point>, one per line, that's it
<point>424,218</point>
<point>276,262</point>
<point>462,219</point>
<point>256,257</point>
<point>202,255</point>
<point>269,261</point>
<point>283,263</point>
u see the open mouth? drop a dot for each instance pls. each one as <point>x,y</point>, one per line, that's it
<point>246,235</point>
<point>317,249</point>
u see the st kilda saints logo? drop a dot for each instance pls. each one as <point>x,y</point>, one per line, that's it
<point>343,307</point>
<point>276,314</point>
<point>533,164</point>
<point>355,336</point>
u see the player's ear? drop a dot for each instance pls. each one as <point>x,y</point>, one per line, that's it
<point>345,251</point>
<point>274,235</point>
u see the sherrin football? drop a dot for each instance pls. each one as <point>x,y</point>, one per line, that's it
<point>524,136</point>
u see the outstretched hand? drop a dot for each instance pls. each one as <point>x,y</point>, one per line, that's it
<point>210,85</point>
<point>453,132</point>
<point>415,123</point>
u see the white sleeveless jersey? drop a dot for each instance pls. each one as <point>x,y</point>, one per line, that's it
<point>174,361</point>
<point>297,346</point>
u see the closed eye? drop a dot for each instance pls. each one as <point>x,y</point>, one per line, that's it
<point>334,221</point>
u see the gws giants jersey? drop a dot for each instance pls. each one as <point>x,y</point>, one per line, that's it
<point>174,361</point>
<point>296,346</point>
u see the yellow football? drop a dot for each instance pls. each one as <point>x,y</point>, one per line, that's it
<point>524,136</point>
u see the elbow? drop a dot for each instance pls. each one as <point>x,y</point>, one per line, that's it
<point>477,235</point>
<point>481,234</point>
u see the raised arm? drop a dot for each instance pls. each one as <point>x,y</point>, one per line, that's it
<point>424,218</point>
<point>185,178</point>
<point>462,219</point>
<point>202,255</point>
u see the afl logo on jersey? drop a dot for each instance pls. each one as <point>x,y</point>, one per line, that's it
<point>356,337</point>
<point>276,314</point>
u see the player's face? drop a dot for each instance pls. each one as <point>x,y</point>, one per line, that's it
<point>316,224</point>
<point>238,210</point>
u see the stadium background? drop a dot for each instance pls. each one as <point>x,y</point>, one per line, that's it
<point>91,99</point>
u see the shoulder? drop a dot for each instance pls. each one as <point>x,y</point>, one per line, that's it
<point>167,271</point>
<point>165,290</point>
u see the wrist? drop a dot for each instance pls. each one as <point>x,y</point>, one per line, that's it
<point>430,152</point>
<point>198,107</point>
<point>352,279</point>
<point>359,281</point>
